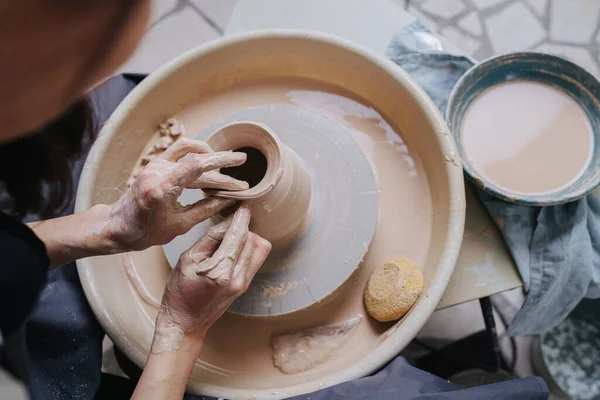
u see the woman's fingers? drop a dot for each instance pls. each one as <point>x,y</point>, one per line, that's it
<point>238,231</point>
<point>216,180</point>
<point>241,265</point>
<point>192,168</point>
<point>206,246</point>
<point>182,147</point>
<point>254,253</point>
<point>259,256</point>
<point>191,215</point>
<point>220,265</point>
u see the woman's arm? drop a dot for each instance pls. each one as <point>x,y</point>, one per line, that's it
<point>166,374</point>
<point>208,277</point>
<point>76,236</point>
<point>148,213</point>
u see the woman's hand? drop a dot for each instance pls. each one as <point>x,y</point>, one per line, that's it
<point>210,276</point>
<point>207,279</point>
<point>149,214</point>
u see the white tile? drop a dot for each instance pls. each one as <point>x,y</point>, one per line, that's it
<point>513,300</point>
<point>538,6</point>
<point>524,367</point>
<point>160,8</point>
<point>574,21</point>
<point>514,28</point>
<point>168,39</point>
<point>462,41</point>
<point>219,11</point>
<point>578,55</point>
<point>484,4</point>
<point>443,8</point>
<point>430,23</point>
<point>453,323</point>
<point>110,365</point>
<point>472,24</point>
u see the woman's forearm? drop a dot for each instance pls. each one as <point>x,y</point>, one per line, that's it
<point>76,236</point>
<point>167,372</point>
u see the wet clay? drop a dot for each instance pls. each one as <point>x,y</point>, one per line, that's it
<point>281,194</point>
<point>299,351</point>
<point>238,348</point>
<point>167,339</point>
<point>527,137</point>
<point>393,289</point>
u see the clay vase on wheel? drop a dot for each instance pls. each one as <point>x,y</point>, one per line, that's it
<point>279,182</point>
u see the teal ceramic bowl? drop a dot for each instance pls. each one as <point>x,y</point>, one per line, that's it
<point>557,72</point>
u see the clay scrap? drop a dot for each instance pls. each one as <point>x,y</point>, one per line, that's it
<point>299,351</point>
<point>168,132</point>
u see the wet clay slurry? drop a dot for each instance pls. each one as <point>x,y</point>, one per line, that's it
<point>527,137</point>
<point>300,351</point>
<point>239,345</point>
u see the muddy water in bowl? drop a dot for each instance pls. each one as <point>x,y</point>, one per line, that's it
<point>527,137</point>
<point>526,125</point>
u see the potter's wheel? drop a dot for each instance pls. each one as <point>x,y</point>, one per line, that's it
<point>344,213</point>
<point>398,129</point>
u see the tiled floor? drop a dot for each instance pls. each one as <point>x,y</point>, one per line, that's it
<point>481,28</point>
<point>177,26</point>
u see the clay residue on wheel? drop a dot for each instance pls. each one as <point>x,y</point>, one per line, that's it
<point>269,291</point>
<point>168,132</point>
<point>300,351</point>
<point>137,282</point>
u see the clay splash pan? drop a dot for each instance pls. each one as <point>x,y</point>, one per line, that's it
<point>385,182</point>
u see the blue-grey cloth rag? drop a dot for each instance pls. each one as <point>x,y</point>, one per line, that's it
<point>557,248</point>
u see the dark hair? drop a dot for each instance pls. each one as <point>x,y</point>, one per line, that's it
<point>36,168</point>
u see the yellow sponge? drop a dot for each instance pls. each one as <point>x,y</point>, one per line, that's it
<point>393,289</point>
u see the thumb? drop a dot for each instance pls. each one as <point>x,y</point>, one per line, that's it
<point>202,210</point>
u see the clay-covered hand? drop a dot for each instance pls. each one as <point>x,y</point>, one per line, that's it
<point>149,214</point>
<point>208,278</point>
